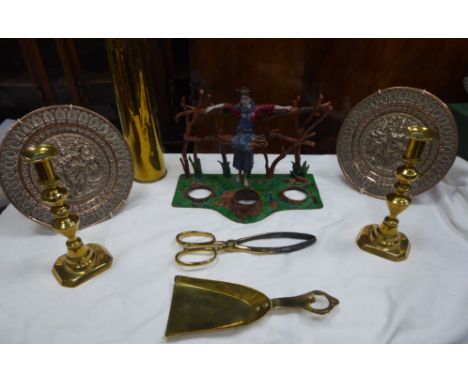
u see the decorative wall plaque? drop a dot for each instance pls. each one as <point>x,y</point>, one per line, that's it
<point>94,163</point>
<point>372,139</point>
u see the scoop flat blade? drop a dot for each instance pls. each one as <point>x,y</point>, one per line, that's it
<point>200,305</point>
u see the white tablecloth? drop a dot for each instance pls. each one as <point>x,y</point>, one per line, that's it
<point>423,299</point>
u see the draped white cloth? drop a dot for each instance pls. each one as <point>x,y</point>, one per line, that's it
<point>421,300</point>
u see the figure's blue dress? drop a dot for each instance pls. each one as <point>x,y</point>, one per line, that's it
<point>242,141</point>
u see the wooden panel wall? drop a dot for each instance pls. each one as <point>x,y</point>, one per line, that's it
<point>344,70</point>
<point>276,70</point>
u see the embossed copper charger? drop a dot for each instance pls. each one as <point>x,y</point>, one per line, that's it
<point>94,163</point>
<point>372,139</point>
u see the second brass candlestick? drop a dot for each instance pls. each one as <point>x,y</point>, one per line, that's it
<point>385,240</point>
<point>81,262</point>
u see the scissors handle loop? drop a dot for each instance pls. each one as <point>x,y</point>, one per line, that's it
<point>200,250</point>
<point>181,238</point>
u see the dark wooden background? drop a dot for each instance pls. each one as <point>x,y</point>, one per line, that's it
<point>40,72</point>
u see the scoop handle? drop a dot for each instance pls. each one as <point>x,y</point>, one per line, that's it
<point>306,301</point>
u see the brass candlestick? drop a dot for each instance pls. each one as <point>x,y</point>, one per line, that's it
<point>81,262</point>
<point>385,240</point>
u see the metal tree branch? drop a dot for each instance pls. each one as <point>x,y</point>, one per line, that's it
<point>190,114</point>
<point>305,132</point>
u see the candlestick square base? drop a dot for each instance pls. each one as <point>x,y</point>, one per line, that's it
<point>70,279</point>
<point>398,252</point>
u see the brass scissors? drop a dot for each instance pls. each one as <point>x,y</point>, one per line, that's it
<point>213,247</point>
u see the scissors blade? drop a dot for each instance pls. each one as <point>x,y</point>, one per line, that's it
<point>306,241</point>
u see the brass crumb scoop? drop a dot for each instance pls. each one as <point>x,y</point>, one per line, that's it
<point>82,261</point>
<point>201,305</point>
<point>385,240</point>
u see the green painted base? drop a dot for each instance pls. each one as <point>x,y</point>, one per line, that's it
<point>269,190</point>
<point>70,279</point>
<point>397,253</point>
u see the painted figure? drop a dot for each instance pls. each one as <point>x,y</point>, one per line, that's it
<point>242,143</point>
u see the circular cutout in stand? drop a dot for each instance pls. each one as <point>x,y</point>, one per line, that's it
<point>294,195</point>
<point>246,202</point>
<point>199,193</point>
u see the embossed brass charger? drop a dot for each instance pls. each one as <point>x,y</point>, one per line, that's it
<point>81,262</point>
<point>93,163</point>
<point>385,240</point>
<point>372,139</point>
<point>200,305</point>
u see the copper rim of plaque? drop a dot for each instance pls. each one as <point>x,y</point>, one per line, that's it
<point>432,112</point>
<point>54,122</point>
<point>294,201</point>
<point>199,187</point>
